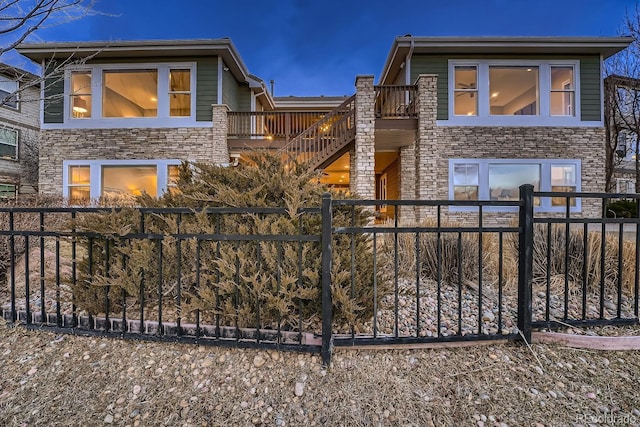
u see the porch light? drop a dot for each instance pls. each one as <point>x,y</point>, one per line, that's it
<point>79,105</point>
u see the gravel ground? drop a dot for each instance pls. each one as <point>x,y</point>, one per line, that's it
<point>50,379</point>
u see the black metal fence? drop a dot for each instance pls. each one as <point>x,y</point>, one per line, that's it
<point>269,278</point>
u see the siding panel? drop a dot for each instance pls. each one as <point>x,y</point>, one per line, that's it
<point>206,88</point>
<point>53,98</point>
<point>590,97</point>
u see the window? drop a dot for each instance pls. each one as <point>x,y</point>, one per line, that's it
<point>466,91</point>
<point>513,91</point>
<point>174,176</point>
<point>465,181</point>
<point>87,180</point>
<point>132,93</point>
<point>179,93</point>
<point>625,185</point>
<point>78,183</point>
<point>562,91</point>
<point>138,95</point>
<point>8,143</point>
<point>8,92</point>
<point>80,98</point>
<point>7,191</point>
<point>563,179</point>
<point>500,179</point>
<point>507,92</point>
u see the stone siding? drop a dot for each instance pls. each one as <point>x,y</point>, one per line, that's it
<point>195,144</point>
<point>364,166</point>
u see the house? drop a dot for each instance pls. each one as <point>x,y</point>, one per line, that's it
<point>622,123</point>
<point>449,118</point>
<point>19,127</point>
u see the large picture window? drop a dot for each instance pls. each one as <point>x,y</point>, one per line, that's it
<point>508,92</point>
<point>8,143</point>
<point>113,179</point>
<point>500,179</point>
<point>129,95</point>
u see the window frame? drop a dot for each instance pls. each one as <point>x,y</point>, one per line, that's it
<point>545,204</point>
<point>17,144</point>
<point>163,117</point>
<point>4,186</point>
<point>15,93</point>
<point>95,173</point>
<point>484,118</point>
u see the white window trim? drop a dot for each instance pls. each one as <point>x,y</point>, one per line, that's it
<point>545,183</point>
<point>17,132</point>
<point>96,121</point>
<point>95,173</point>
<point>544,86</point>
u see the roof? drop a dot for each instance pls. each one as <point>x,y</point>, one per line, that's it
<point>320,102</point>
<point>407,45</point>
<point>222,47</point>
<point>17,73</point>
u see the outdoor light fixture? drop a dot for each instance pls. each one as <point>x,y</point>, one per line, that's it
<point>79,105</point>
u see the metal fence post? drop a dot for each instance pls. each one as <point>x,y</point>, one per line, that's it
<point>525,261</point>
<point>327,255</point>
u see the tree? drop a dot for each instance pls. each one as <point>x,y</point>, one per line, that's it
<point>21,18</point>
<point>622,103</point>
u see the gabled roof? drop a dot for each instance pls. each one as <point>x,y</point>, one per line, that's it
<point>222,47</point>
<point>17,73</point>
<point>409,45</point>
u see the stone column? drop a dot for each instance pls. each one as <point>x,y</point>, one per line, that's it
<point>219,147</point>
<point>363,170</point>
<point>352,173</point>
<point>426,147</point>
<point>407,184</point>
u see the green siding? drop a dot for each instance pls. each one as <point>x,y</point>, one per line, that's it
<point>431,64</point>
<point>206,88</point>
<point>590,78</point>
<point>590,100</point>
<point>236,95</point>
<point>206,85</point>
<point>53,97</point>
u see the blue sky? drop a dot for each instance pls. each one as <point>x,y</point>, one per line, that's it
<point>312,47</point>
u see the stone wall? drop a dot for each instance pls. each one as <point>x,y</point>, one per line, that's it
<point>436,145</point>
<point>194,144</point>
<point>363,170</point>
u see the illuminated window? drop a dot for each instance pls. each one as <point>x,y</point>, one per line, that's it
<point>79,183</point>
<point>179,93</point>
<point>131,93</point>
<point>466,91</point>
<point>563,91</point>
<point>93,179</point>
<point>513,91</point>
<point>563,179</point>
<point>80,98</point>
<point>118,181</point>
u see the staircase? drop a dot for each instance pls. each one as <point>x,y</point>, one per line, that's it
<point>327,139</point>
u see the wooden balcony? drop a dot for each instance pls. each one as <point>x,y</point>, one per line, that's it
<point>268,129</point>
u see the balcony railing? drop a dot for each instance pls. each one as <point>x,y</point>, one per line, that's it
<point>395,102</point>
<point>283,125</point>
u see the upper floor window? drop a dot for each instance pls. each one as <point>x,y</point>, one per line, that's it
<point>136,93</point>
<point>8,143</point>
<point>8,92</point>
<point>488,92</point>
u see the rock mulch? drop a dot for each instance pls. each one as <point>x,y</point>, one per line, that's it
<point>50,379</point>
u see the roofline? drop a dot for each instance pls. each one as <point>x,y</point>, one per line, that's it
<point>110,49</point>
<point>606,46</point>
<point>16,72</point>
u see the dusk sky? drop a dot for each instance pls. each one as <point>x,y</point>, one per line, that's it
<point>318,47</point>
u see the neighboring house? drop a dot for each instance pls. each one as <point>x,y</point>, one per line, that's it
<point>622,123</point>
<point>450,118</point>
<point>19,127</point>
